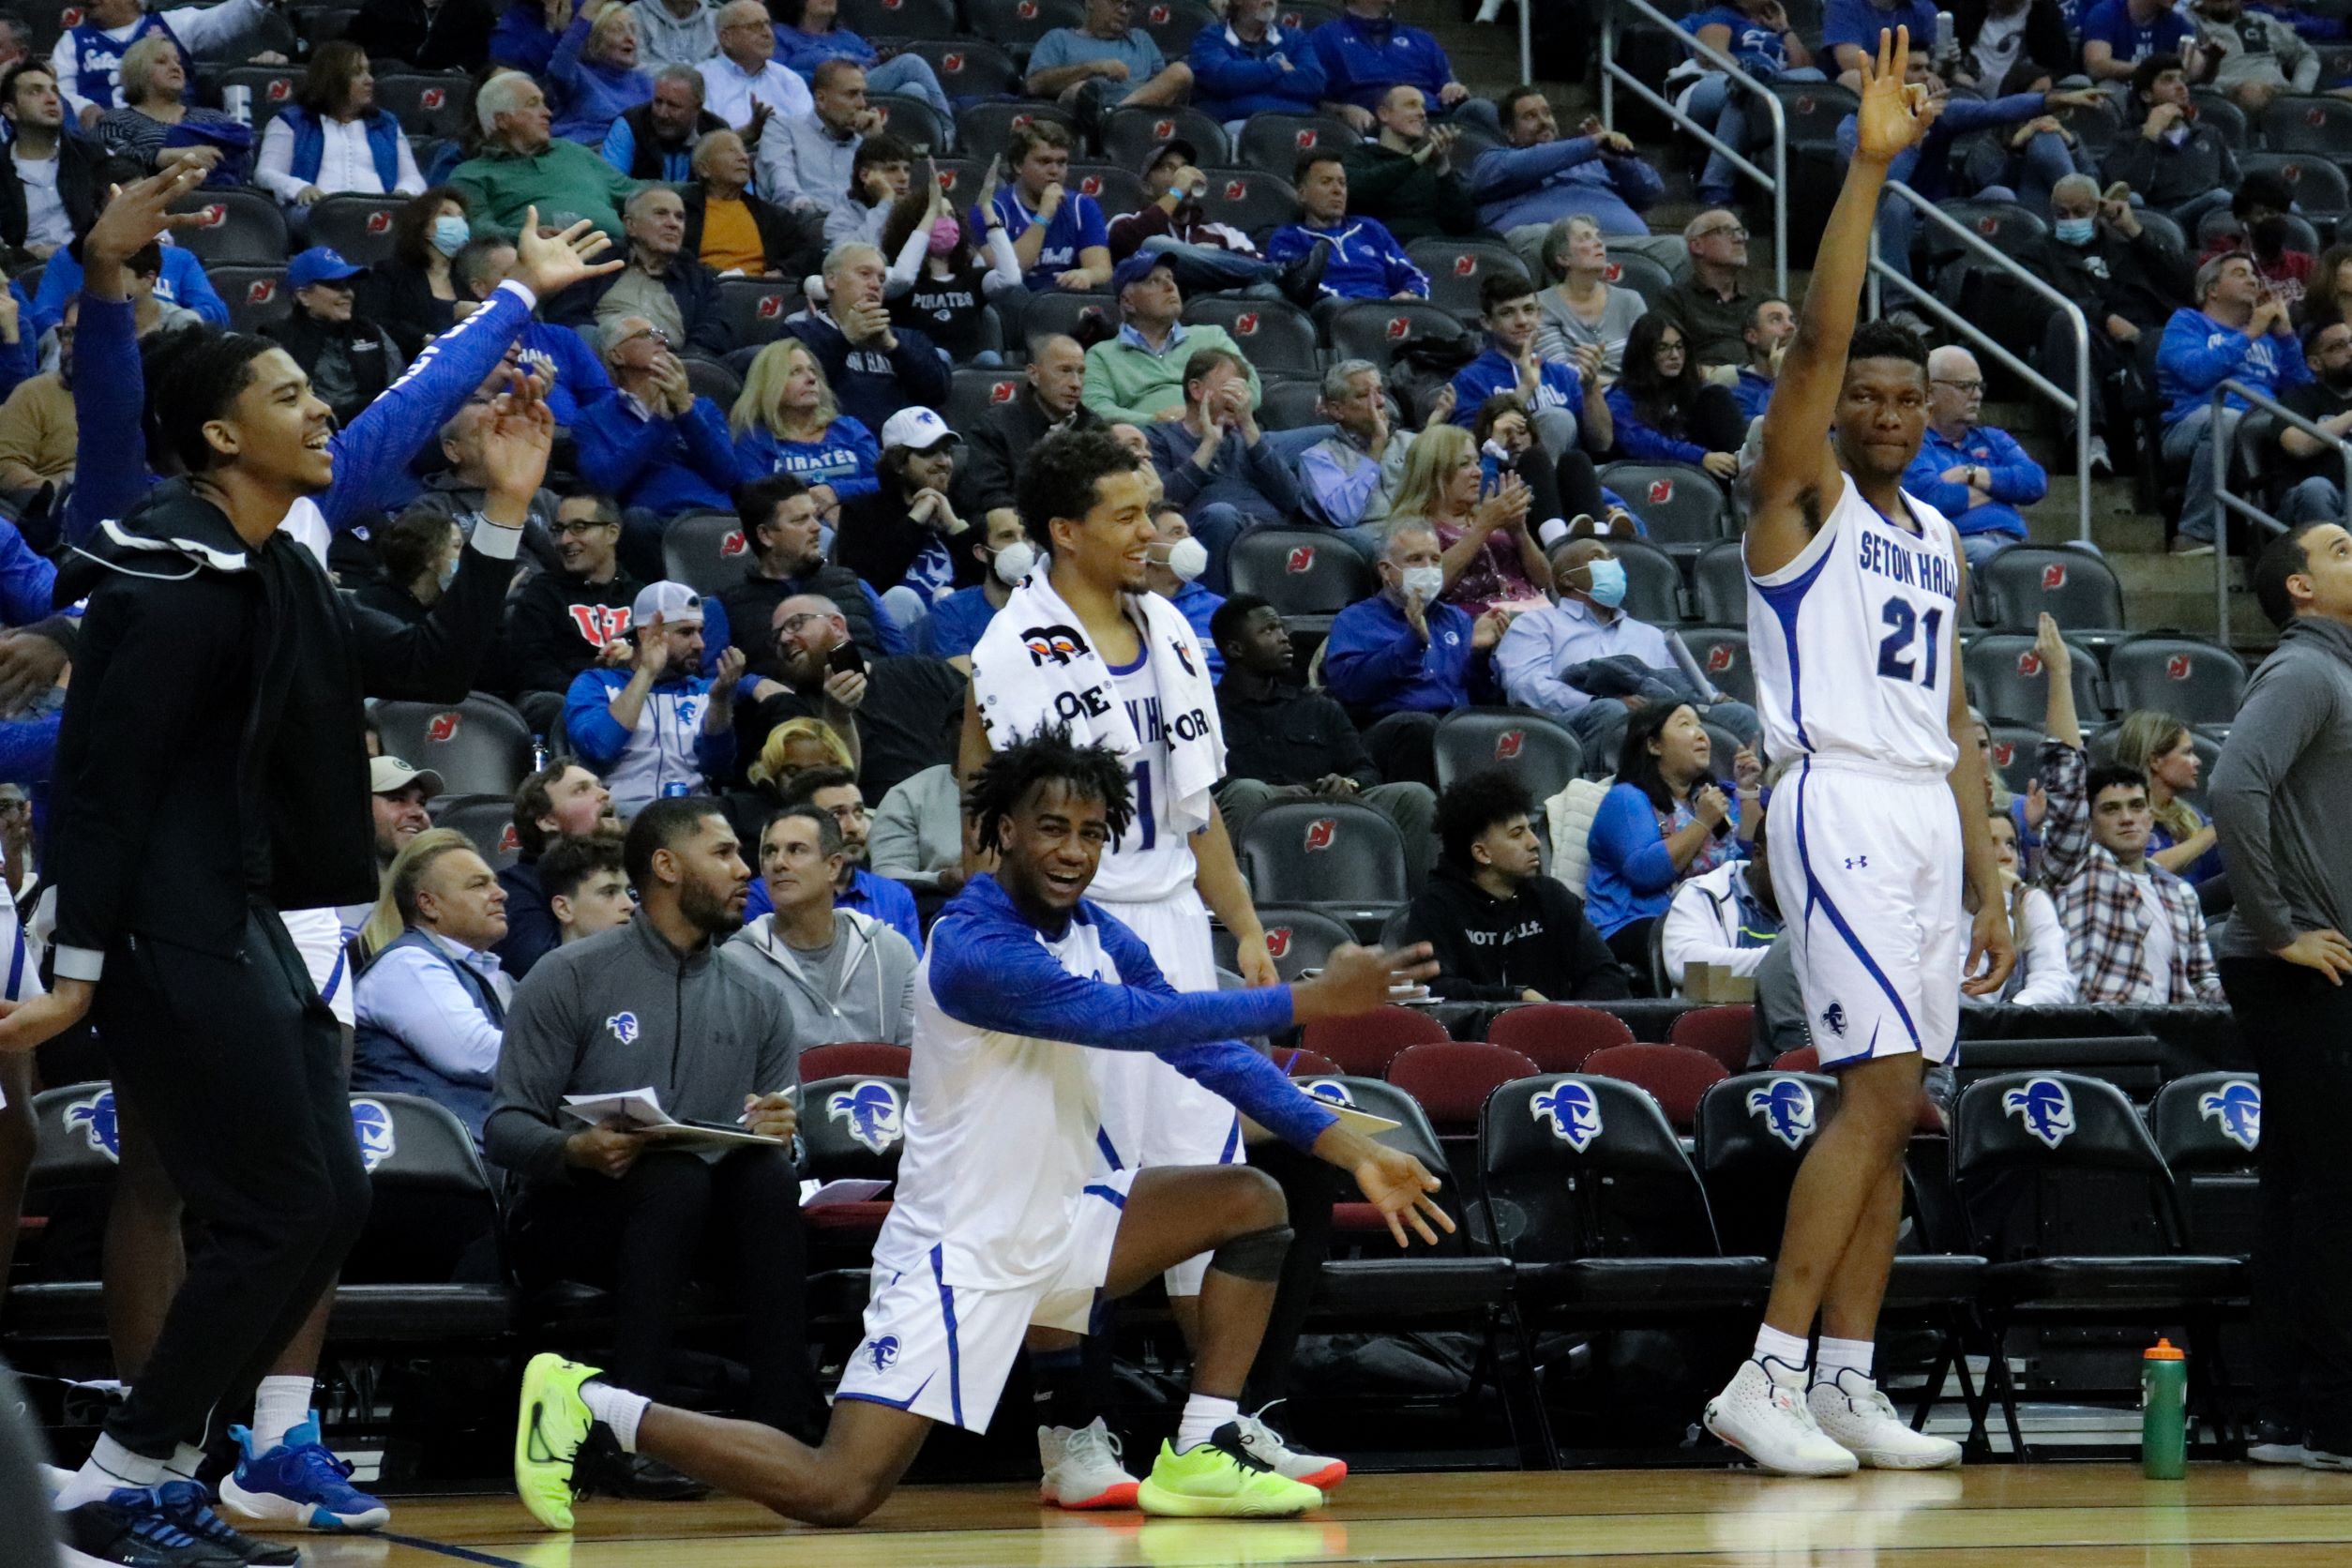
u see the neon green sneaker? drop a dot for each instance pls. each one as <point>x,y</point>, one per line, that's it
<point>1221,1479</point>
<point>550,1425</point>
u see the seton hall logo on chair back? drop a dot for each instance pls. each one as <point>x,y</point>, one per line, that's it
<point>1786,1105</point>
<point>2045,1107</point>
<point>1572,1111</point>
<point>2235,1108</point>
<point>872,1111</point>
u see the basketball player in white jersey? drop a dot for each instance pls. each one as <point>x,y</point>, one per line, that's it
<point>1854,589</point>
<point>1088,506</point>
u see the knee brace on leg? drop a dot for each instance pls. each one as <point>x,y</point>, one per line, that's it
<point>1255,1255</point>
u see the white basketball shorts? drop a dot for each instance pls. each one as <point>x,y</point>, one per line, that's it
<point>1866,864</point>
<point>944,1350</point>
<point>1152,1113</point>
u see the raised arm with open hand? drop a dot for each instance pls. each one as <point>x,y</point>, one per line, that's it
<point>549,265</point>
<point>135,216</point>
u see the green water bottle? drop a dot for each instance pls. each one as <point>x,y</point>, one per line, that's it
<point>2163,1412</point>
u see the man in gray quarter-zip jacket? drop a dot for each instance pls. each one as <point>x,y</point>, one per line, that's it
<point>647,1005</point>
<point>2278,796</point>
<point>843,974</point>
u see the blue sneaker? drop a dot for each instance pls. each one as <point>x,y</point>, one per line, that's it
<point>131,1528</point>
<point>299,1483</point>
<point>187,1505</point>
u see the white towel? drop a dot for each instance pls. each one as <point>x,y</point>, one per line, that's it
<point>1033,669</point>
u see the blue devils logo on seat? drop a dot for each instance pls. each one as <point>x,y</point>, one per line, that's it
<point>1572,1111</point>
<point>1329,1089</point>
<point>624,1027</point>
<point>1786,1105</point>
<point>2045,1107</point>
<point>872,1111</point>
<point>883,1351</point>
<point>2236,1106</point>
<point>95,1116</point>
<point>371,1124</point>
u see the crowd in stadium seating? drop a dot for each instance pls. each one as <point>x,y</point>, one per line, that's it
<point>1435,424</point>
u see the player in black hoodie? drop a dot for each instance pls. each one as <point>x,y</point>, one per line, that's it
<point>1503,931</point>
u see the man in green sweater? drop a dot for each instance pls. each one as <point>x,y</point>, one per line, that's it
<point>1138,377</point>
<point>1405,177</point>
<point>522,166</point>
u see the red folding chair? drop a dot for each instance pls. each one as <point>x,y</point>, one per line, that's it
<point>1363,1047</point>
<point>1558,1036</point>
<point>1676,1075</point>
<point>1307,1063</point>
<point>1723,1033</point>
<point>1452,1079</point>
<point>1805,1059</point>
<point>854,1059</point>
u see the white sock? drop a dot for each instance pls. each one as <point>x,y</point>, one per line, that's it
<point>1202,1417</point>
<point>1844,1355</point>
<point>1785,1355</point>
<point>279,1404</point>
<point>186,1461</point>
<point>109,1467</point>
<point>617,1407</point>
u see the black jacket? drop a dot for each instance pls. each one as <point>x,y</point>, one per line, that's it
<point>1490,949</point>
<point>558,622</point>
<point>996,445</point>
<point>647,162</point>
<point>751,611</point>
<point>84,169</point>
<point>1289,737</point>
<point>2143,281</point>
<point>902,725</point>
<point>212,752</point>
<point>454,36</point>
<point>778,237</point>
<point>692,285</point>
<point>400,298</point>
<point>877,541</point>
<point>2045,50</point>
<point>368,349</point>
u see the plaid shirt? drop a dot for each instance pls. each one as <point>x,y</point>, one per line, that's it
<point>2099,902</point>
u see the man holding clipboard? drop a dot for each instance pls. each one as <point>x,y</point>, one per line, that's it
<point>631,1200</point>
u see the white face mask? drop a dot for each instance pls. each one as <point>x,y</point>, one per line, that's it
<point>1423,582</point>
<point>1013,562</point>
<point>1187,558</point>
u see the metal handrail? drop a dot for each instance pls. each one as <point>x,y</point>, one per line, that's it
<point>2077,402</point>
<point>1776,182</point>
<point>1527,40</point>
<point>2222,460</point>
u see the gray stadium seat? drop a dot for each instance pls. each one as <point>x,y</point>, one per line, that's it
<point>2194,680</point>
<point>1274,335</point>
<point>241,227</point>
<point>705,551</point>
<point>1722,652</point>
<point>2007,681</point>
<point>1682,506</point>
<point>479,747</point>
<point>1533,748</point>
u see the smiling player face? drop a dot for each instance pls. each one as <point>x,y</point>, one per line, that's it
<point>1049,846</point>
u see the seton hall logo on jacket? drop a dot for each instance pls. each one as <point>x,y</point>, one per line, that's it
<point>2045,1107</point>
<point>624,1027</point>
<point>1059,643</point>
<point>2235,1108</point>
<point>872,1111</point>
<point>1786,1105</point>
<point>1572,1111</point>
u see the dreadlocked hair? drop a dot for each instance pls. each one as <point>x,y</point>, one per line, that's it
<point>1049,756</point>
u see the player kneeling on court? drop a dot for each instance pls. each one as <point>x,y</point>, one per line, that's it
<point>1003,1218</point>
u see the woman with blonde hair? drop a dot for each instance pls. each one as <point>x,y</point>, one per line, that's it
<point>786,421</point>
<point>1490,557</point>
<point>795,747</point>
<point>155,112</point>
<point>2160,746</point>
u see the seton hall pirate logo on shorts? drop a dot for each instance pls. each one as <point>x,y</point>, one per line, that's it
<point>1833,1019</point>
<point>881,1353</point>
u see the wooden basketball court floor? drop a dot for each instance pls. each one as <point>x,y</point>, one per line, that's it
<point>2073,1515</point>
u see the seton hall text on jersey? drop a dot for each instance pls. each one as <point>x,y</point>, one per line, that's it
<point>1150,729</point>
<point>1912,565</point>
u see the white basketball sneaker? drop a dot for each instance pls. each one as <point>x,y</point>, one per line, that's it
<point>1083,1467</point>
<point>1852,1412</point>
<point>1767,1421</point>
<point>1323,1474</point>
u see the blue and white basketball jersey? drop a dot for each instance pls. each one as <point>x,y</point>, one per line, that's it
<point>1153,857</point>
<point>1853,641</point>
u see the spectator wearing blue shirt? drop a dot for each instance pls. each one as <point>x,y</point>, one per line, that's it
<point>953,627</point>
<point>1541,177</point>
<point>785,421</point>
<point>1173,572</point>
<point>1662,410</point>
<point>2119,33</point>
<point>653,443</point>
<point>1366,51</point>
<point>655,140</point>
<point>1665,821</point>
<point>1057,234</point>
<point>1246,66</point>
<point>1973,474</point>
<point>522,39</point>
<point>1757,36</point>
<point>1771,327</point>
<point>657,724</point>
<point>808,33</point>
<point>1851,29</point>
<point>558,356</point>
<point>1220,471</point>
<point>595,72</point>
<point>834,791</point>
<point>1403,658</point>
<point>1364,261</point>
<point>1556,395</point>
<point>2238,331</point>
<point>183,283</point>
<point>1128,65</point>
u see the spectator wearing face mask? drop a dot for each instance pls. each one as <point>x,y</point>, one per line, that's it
<point>1004,555</point>
<point>940,283</point>
<point>1173,570</point>
<point>414,294</point>
<point>1403,657</point>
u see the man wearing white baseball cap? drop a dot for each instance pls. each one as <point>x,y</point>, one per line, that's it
<point>905,539</point>
<point>657,728</point>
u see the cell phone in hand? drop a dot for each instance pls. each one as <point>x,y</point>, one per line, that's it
<point>846,659</point>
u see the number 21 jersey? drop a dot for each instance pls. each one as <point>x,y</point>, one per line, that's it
<point>1852,641</point>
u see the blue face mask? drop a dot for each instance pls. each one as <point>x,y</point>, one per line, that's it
<point>450,235</point>
<point>1609,582</point>
<point>2075,231</point>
